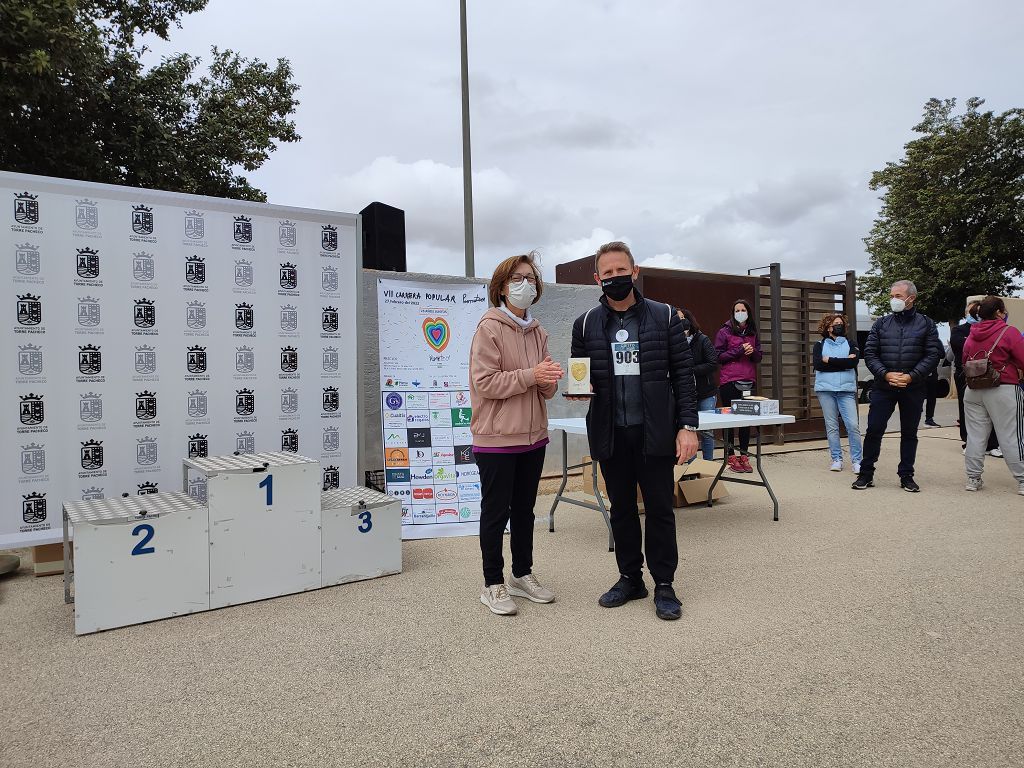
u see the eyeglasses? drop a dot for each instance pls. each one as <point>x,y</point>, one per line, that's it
<point>517,279</point>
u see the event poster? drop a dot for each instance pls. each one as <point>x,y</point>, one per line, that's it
<point>425,334</point>
<point>149,326</point>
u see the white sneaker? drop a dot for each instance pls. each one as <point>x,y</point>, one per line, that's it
<point>1020,488</point>
<point>837,466</point>
<point>497,599</point>
<point>974,483</point>
<point>856,469</point>
<point>530,588</point>
<point>996,452</point>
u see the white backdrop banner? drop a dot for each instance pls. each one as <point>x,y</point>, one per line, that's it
<point>425,333</point>
<point>147,326</point>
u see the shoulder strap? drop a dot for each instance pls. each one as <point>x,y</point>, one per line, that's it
<point>1000,336</point>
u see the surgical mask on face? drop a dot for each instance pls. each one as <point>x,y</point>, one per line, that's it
<point>617,288</point>
<point>521,295</point>
<point>971,319</point>
<point>897,305</point>
<point>741,317</point>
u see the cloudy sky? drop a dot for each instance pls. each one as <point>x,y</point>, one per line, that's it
<point>716,136</point>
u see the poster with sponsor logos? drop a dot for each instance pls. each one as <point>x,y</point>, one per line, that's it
<point>148,326</point>
<point>425,333</point>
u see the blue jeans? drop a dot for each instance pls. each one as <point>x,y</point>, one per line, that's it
<point>836,405</point>
<point>707,440</point>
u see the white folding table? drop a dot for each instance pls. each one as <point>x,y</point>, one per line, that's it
<point>709,421</point>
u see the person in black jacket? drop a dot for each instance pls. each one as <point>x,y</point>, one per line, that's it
<point>901,350</point>
<point>957,336</point>
<point>642,420</point>
<point>705,373</point>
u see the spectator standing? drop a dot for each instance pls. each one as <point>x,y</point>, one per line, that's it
<point>739,352</point>
<point>999,407</point>
<point>901,350</point>
<point>835,384</point>
<point>705,372</point>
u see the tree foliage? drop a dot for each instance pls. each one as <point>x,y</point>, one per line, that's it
<point>76,100</point>
<point>952,216</point>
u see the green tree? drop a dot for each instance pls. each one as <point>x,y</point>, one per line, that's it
<point>76,100</point>
<point>952,217</point>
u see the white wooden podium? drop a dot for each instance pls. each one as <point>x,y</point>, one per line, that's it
<point>137,559</point>
<point>362,535</point>
<point>264,524</point>
<point>265,530</point>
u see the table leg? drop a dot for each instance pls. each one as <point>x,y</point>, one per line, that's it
<point>565,479</point>
<point>726,451</point>
<point>757,461</point>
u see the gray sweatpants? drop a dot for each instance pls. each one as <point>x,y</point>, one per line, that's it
<point>1002,409</point>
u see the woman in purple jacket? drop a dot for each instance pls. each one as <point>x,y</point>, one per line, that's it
<point>739,352</point>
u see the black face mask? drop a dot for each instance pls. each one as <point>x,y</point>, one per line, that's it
<point>838,330</point>
<point>617,288</point>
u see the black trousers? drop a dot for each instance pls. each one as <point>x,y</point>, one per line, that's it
<point>509,483</point>
<point>883,403</point>
<point>931,385</point>
<point>627,469</point>
<point>729,392</point>
<point>961,386</point>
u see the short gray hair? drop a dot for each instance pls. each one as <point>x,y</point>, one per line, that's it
<point>908,285</point>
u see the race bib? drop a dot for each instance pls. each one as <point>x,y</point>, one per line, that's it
<point>626,358</point>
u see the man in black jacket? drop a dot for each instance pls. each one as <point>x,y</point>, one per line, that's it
<point>642,420</point>
<point>901,350</point>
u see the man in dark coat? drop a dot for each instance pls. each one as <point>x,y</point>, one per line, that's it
<point>901,350</point>
<point>642,420</point>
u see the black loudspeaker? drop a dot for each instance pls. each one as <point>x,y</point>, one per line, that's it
<point>383,237</point>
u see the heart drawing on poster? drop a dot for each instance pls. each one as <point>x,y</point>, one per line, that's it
<point>437,333</point>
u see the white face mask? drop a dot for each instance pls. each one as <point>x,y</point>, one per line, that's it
<point>897,305</point>
<point>521,295</point>
<point>741,317</point>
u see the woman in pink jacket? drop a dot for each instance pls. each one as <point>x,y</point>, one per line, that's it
<point>511,378</point>
<point>739,352</point>
<point>1002,406</point>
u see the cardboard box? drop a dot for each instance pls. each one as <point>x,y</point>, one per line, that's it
<point>692,486</point>
<point>754,406</point>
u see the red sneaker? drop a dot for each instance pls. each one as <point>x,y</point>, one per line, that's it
<point>735,464</point>
<point>745,464</point>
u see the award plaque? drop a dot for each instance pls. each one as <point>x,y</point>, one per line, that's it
<point>578,381</point>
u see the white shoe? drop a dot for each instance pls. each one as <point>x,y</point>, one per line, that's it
<point>530,588</point>
<point>856,469</point>
<point>497,599</point>
<point>974,483</point>
<point>996,452</point>
<point>837,466</point>
<point>1020,488</point>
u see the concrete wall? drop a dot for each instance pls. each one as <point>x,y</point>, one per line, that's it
<point>558,308</point>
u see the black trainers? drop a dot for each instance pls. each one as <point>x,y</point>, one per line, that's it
<point>666,604</point>
<point>862,482</point>
<point>908,485</point>
<point>624,590</point>
<point>932,423</point>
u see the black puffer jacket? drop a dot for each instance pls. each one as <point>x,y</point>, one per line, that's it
<point>705,364</point>
<point>666,377</point>
<point>904,342</point>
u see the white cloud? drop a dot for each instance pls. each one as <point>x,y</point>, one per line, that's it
<point>430,193</point>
